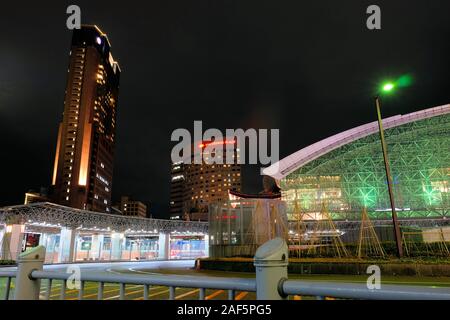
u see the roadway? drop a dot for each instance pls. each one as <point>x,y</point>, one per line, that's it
<point>120,266</point>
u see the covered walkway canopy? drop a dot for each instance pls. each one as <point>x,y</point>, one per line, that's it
<point>53,215</point>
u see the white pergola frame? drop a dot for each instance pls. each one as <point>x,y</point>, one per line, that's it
<point>53,215</point>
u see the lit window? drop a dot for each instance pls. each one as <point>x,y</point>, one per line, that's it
<point>178,177</point>
<point>102,179</point>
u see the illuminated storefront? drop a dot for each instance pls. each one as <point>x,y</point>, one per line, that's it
<point>182,247</point>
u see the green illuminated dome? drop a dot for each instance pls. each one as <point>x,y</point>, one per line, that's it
<point>346,171</point>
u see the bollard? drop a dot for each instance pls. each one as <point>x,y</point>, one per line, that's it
<point>29,261</point>
<point>271,261</point>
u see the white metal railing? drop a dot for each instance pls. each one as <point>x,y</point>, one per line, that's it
<point>270,283</point>
<point>360,291</point>
<point>8,275</point>
<point>170,281</point>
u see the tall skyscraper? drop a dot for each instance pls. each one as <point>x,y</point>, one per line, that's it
<point>195,186</point>
<point>177,190</point>
<point>83,168</point>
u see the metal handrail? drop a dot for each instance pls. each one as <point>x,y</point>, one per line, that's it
<point>288,287</point>
<point>178,281</point>
<point>360,291</point>
<point>8,274</point>
<point>271,281</point>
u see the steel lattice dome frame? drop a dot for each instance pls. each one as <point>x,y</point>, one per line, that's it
<point>346,171</point>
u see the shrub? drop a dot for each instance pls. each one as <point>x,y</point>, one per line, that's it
<point>7,262</point>
<point>416,250</point>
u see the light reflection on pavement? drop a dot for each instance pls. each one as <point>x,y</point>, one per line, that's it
<point>118,267</point>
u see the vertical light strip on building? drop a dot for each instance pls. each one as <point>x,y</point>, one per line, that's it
<point>85,151</point>
<point>55,168</point>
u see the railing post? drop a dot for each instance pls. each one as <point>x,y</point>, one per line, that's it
<point>271,261</point>
<point>29,261</point>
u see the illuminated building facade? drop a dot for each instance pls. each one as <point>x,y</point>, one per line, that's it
<point>83,168</point>
<point>132,208</point>
<point>195,186</point>
<point>35,197</point>
<point>177,191</point>
<point>346,172</point>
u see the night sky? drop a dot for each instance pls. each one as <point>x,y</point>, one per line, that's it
<point>309,68</point>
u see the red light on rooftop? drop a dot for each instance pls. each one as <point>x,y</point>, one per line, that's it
<point>214,143</point>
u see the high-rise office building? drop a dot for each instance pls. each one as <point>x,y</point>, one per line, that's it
<point>177,190</point>
<point>195,186</point>
<point>33,196</point>
<point>83,168</point>
<point>133,208</point>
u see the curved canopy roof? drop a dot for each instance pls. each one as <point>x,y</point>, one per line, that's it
<point>298,159</point>
<point>54,215</point>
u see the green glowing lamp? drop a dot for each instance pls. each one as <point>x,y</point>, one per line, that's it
<point>388,87</point>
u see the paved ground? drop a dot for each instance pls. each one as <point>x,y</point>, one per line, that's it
<point>185,267</point>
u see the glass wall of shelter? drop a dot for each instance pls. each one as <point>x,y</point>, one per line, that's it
<point>238,228</point>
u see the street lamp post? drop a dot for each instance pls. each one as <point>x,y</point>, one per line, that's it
<point>397,234</point>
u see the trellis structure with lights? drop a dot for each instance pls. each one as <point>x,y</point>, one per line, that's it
<point>346,170</point>
<point>52,215</point>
